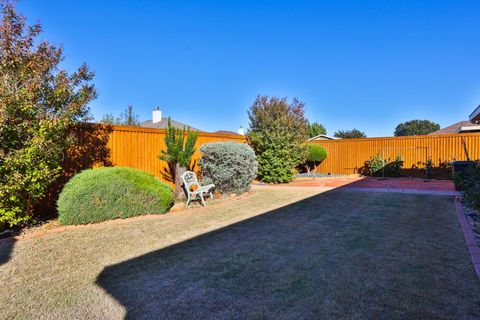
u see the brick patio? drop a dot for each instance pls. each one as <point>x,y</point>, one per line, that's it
<point>426,186</point>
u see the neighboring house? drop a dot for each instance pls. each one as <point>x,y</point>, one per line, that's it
<point>228,132</point>
<point>466,126</point>
<point>158,122</point>
<point>475,115</point>
<point>322,137</point>
<point>458,127</point>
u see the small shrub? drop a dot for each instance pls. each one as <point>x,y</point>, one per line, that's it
<point>315,155</point>
<point>275,166</point>
<point>374,166</point>
<point>377,166</point>
<point>230,166</point>
<point>101,194</point>
<point>394,168</point>
<point>469,183</point>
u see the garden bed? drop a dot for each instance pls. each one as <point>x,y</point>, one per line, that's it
<point>473,217</point>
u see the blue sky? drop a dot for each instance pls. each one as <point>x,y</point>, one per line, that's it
<point>363,64</point>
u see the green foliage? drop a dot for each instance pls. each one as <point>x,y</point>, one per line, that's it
<point>107,193</point>
<point>39,102</point>
<point>276,166</point>
<point>126,118</point>
<point>315,129</point>
<point>230,166</point>
<point>468,182</point>
<point>394,168</point>
<point>416,127</point>
<point>178,153</point>
<point>350,134</point>
<point>374,166</point>
<point>179,150</point>
<point>277,132</point>
<point>378,166</point>
<point>315,155</point>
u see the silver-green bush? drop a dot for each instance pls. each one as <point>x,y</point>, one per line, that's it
<point>230,166</point>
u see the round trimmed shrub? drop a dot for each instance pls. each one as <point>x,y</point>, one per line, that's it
<point>107,193</point>
<point>230,166</point>
<point>316,153</point>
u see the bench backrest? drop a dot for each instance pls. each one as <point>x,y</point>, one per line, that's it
<point>189,180</point>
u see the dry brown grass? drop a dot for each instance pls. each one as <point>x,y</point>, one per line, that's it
<point>288,253</point>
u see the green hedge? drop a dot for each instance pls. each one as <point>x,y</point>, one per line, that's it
<point>469,183</point>
<point>101,194</point>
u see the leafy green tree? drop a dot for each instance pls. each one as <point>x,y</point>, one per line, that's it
<point>349,134</point>
<point>178,153</point>
<point>277,132</point>
<point>315,129</point>
<point>39,102</point>
<point>416,128</point>
<point>315,155</point>
<point>126,118</point>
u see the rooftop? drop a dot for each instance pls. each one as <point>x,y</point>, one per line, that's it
<point>164,123</point>
<point>454,128</point>
<point>475,115</point>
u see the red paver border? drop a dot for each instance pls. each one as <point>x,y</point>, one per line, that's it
<point>472,244</point>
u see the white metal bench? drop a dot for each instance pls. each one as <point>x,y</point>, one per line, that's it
<point>190,180</point>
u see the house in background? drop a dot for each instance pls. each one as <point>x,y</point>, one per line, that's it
<point>475,115</point>
<point>458,127</point>
<point>158,122</point>
<point>231,133</point>
<point>466,126</point>
<point>323,137</point>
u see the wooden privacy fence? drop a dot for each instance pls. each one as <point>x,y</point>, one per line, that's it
<point>139,148</point>
<point>348,156</point>
<point>128,146</point>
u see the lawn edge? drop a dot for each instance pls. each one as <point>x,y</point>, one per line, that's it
<point>472,244</point>
<point>61,229</point>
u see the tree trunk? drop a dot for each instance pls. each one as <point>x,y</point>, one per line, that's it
<point>179,192</point>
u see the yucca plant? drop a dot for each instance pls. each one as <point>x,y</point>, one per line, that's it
<point>180,146</point>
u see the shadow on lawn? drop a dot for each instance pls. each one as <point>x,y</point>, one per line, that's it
<point>286,263</point>
<point>192,278</point>
<point>6,248</point>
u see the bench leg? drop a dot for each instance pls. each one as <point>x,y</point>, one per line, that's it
<point>188,199</point>
<point>203,200</point>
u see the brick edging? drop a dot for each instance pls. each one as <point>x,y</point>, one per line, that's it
<point>472,244</point>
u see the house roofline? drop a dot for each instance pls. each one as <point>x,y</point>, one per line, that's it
<point>475,114</point>
<point>324,136</point>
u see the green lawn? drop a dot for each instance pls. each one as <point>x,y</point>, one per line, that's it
<point>276,254</point>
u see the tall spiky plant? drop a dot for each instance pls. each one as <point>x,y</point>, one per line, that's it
<point>180,146</point>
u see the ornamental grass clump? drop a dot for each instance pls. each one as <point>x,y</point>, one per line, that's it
<point>230,166</point>
<point>101,194</point>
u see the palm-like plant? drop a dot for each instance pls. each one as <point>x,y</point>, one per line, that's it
<point>180,146</point>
